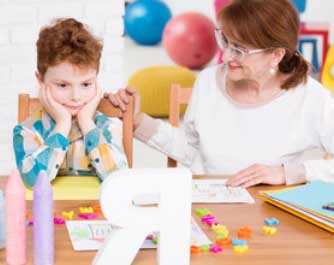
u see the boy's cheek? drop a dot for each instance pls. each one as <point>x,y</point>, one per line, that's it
<point>91,95</point>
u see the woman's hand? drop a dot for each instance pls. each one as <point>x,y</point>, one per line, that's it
<point>58,112</point>
<point>257,174</point>
<point>121,99</point>
<point>85,116</point>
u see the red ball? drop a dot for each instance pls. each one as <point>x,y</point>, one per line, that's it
<point>220,4</point>
<point>189,40</point>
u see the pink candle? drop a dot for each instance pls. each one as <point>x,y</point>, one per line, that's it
<point>15,220</point>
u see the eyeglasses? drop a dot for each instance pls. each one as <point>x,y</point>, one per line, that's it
<point>238,54</point>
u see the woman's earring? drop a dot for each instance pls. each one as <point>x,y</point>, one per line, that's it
<point>272,70</point>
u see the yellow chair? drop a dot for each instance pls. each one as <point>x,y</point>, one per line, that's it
<point>153,84</point>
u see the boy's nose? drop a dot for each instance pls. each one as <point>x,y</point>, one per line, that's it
<point>75,96</point>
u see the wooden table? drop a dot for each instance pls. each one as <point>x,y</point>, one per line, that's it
<point>296,242</point>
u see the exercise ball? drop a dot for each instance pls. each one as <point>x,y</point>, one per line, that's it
<point>189,40</point>
<point>145,21</point>
<point>220,4</point>
<point>300,5</point>
<point>153,84</point>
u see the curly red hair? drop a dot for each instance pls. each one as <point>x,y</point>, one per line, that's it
<point>67,40</point>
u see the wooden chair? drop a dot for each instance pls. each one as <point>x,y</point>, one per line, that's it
<point>28,105</point>
<point>178,96</point>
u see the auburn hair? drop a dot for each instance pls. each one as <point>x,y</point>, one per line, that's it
<point>67,40</point>
<point>268,24</point>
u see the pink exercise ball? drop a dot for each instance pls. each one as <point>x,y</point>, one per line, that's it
<point>189,40</point>
<point>220,4</point>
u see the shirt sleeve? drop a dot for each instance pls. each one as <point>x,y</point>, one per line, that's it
<point>294,173</point>
<point>179,143</point>
<point>33,153</point>
<point>105,148</point>
<point>323,169</point>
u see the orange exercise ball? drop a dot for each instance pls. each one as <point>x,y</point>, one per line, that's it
<point>189,40</point>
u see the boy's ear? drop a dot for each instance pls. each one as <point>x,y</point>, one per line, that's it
<point>39,78</point>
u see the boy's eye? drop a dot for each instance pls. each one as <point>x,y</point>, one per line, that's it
<point>62,85</point>
<point>87,84</point>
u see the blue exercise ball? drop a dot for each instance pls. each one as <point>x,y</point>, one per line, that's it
<point>300,5</point>
<point>145,21</point>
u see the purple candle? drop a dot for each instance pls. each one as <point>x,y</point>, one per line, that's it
<point>43,221</point>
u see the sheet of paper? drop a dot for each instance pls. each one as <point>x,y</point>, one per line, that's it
<point>73,188</point>
<point>90,235</point>
<point>205,191</point>
<point>198,237</point>
<point>215,191</point>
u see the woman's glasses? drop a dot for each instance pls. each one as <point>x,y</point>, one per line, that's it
<point>238,54</point>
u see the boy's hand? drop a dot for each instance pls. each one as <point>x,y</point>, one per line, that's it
<point>58,112</point>
<point>85,116</point>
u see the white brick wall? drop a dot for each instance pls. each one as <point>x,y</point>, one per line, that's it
<point>20,22</point>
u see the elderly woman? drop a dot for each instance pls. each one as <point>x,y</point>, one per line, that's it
<point>253,116</point>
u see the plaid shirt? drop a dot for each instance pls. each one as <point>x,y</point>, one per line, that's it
<point>36,148</point>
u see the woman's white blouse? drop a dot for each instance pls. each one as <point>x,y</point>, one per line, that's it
<point>221,137</point>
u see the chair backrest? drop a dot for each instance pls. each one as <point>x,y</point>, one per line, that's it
<point>28,105</point>
<point>178,96</point>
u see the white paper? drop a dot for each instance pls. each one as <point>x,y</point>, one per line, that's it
<point>215,191</point>
<point>205,191</point>
<point>90,235</point>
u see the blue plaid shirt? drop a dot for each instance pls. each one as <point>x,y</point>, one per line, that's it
<point>36,148</point>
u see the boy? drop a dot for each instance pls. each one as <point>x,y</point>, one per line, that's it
<point>68,136</point>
